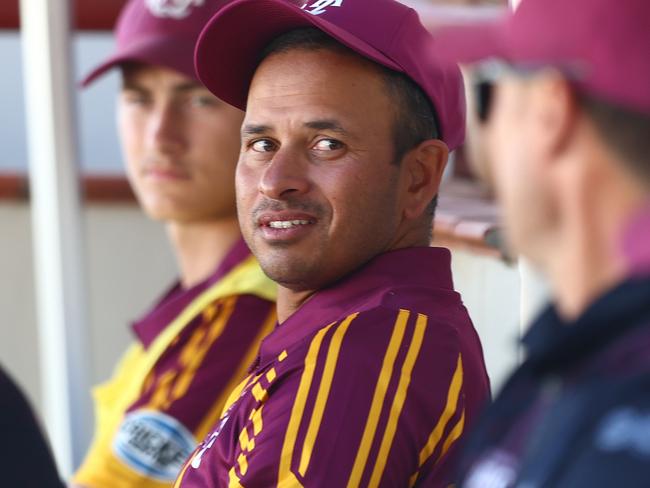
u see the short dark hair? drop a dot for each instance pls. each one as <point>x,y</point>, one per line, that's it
<point>415,118</point>
<point>627,132</point>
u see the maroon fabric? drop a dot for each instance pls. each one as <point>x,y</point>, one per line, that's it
<point>216,358</point>
<point>603,44</point>
<point>384,31</point>
<point>158,32</point>
<point>219,360</point>
<point>277,405</point>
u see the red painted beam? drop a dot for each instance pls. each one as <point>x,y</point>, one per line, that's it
<point>95,188</point>
<point>88,14</point>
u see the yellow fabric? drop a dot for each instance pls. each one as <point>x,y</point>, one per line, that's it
<point>101,468</point>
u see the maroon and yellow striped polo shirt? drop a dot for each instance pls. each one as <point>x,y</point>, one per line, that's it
<point>370,383</point>
<point>194,347</point>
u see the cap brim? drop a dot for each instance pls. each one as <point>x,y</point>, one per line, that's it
<point>174,53</point>
<point>228,50</point>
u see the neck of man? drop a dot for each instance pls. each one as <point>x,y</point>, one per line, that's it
<point>586,258</point>
<point>289,301</point>
<point>411,234</point>
<point>200,247</point>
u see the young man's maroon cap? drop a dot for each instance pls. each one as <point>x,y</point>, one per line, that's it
<point>159,32</point>
<point>384,31</point>
<point>604,45</point>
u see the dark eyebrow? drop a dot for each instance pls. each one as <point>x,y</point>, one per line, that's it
<point>128,84</point>
<point>254,129</point>
<point>324,124</point>
<point>184,87</point>
<point>327,124</point>
<point>187,87</point>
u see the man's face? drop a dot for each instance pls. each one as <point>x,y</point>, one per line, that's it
<point>511,153</point>
<point>180,144</point>
<point>318,194</point>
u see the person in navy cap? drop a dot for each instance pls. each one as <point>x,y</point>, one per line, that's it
<point>180,145</point>
<point>562,101</point>
<point>374,370</point>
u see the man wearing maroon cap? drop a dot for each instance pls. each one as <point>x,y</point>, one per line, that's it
<point>180,144</point>
<point>564,109</point>
<point>375,369</point>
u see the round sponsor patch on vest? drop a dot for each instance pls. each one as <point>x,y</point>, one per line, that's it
<point>153,444</point>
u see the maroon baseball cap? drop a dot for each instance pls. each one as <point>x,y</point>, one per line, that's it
<point>384,31</point>
<point>159,32</point>
<point>604,44</point>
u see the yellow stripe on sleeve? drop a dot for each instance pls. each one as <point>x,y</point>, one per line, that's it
<point>233,479</point>
<point>243,464</point>
<point>174,384</point>
<point>271,375</point>
<point>285,477</point>
<point>194,357</point>
<point>323,393</point>
<point>454,434</point>
<point>244,440</point>
<point>259,393</point>
<point>378,399</point>
<point>234,388</point>
<point>448,412</point>
<point>413,479</point>
<point>256,418</point>
<point>398,400</point>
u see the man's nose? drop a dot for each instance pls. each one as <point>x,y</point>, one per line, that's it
<point>165,130</point>
<point>286,175</point>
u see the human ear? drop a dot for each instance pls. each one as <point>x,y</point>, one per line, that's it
<point>423,166</point>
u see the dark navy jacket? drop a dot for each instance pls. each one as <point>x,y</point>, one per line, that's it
<point>25,457</point>
<point>577,412</point>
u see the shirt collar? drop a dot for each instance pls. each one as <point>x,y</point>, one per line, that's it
<point>552,343</point>
<point>362,289</point>
<point>177,298</point>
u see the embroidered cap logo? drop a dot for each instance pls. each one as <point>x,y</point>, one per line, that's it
<point>175,9</point>
<point>321,6</point>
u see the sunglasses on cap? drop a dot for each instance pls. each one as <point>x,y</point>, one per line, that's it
<point>483,95</point>
<point>486,76</point>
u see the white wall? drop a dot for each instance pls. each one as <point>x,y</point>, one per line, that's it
<point>491,292</point>
<point>18,336</point>
<point>98,143</point>
<point>129,263</point>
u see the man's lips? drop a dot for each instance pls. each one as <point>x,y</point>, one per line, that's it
<point>162,173</point>
<point>285,220</point>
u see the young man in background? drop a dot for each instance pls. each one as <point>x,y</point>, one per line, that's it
<point>180,144</point>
